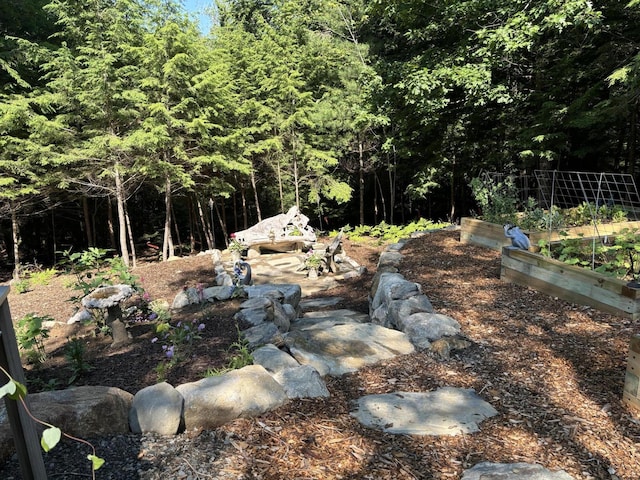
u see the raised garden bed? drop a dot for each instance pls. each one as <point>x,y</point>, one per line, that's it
<point>491,235</point>
<point>571,283</point>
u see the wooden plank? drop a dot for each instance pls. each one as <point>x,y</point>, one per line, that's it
<point>23,429</point>
<point>570,273</point>
<point>556,290</point>
<point>479,232</point>
<point>631,392</point>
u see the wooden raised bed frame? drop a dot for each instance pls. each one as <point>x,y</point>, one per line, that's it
<point>491,235</point>
<point>571,283</point>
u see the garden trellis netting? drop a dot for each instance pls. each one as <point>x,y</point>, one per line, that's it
<point>596,195</point>
<point>594,190</point>
<point>571,189</point>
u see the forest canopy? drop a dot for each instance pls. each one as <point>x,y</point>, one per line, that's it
<point>121,123</point>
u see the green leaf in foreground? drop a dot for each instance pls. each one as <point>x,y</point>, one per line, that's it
<point>96,462</point>
<point>8,388</point>
<point>50,438</point>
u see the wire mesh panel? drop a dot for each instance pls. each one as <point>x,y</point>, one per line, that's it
<point>571,189</point>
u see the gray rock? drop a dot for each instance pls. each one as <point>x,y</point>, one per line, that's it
<point>380,316</point>
<point>81,316</point>
<point>403,308</point>
<point>389,259</point>
<point>261,334</point>
<point>158,409</point>
<point>224,279</point>
<point>322,322</point>
<point>273,359</point>
<point>430,326</point>
<point>252,316</point>
<point>217,293</point>
<point>513,471</point>
<point>285,293</point>
<point>280,317</point>
<point>214,401</point>
<point>185,297</point>
<point>257,302</point>
<point>446,411</point>
<point>303,381</point>
<point>80,411</point>
<point>307,304</point>
<point>396,247</point>
<point>346,348</point>
<point>290,311</point>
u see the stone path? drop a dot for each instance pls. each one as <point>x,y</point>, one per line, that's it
<point>334,342</point>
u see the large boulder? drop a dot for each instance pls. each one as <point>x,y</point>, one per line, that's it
<point>214,401</point>
<point>80,411</point>
<point>157,409</point>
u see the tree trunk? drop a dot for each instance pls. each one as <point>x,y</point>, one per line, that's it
<point>176,230</point>
<point>120,199</point>
<point>167,241</point>
<point>361,180</point>
<point>391,166</point>
<point>87,222</point>
<point>280,188</point>
<point>243,197</point>
<point>132,244</point>
<point>382,199</point>
<point>110,225</point>
<point>296,180</point>
<point>222,223</point>
<point>255,194</point>
<point>15,233</point>
<point>205,225</point>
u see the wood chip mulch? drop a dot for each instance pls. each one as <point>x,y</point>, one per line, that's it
<point>555,372</point>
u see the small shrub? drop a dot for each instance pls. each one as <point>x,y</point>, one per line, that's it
<point>74,354</point>
<point>42,277</point>
<point>30,335</point>
<point>22,286</point>
<point>497,200</point>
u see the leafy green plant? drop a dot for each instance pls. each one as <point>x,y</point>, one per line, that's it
<point>92,269</point>
<point>42,277</point>
<point>385,233</point>
<point>74,354</point>
<point>31,335</point>
<point>497,200</point>
<point>620,258</point>
<point>240,359</point>
<point>176,341</point>
<point>22,286</point>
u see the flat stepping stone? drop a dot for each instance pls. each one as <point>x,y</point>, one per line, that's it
<point>311,303</point>
<point>513,471</point>
<point>446,411</point>
<point>347,347</point>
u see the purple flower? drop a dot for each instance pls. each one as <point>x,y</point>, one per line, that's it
<point>153,316</point>
<point>154,339</point>
<point>169,352</point>
<point>201,327</point>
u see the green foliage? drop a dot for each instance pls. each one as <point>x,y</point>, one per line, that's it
<point>239,359</point>
<point>42,277</point>
<point>176,341</point>
<point>74,353</point>
<point>385,233</point>
<point>92,269</point>
<point>30,335</point>
<point>497,200</point>
<point>619,258</point>
<point>22,286</point>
